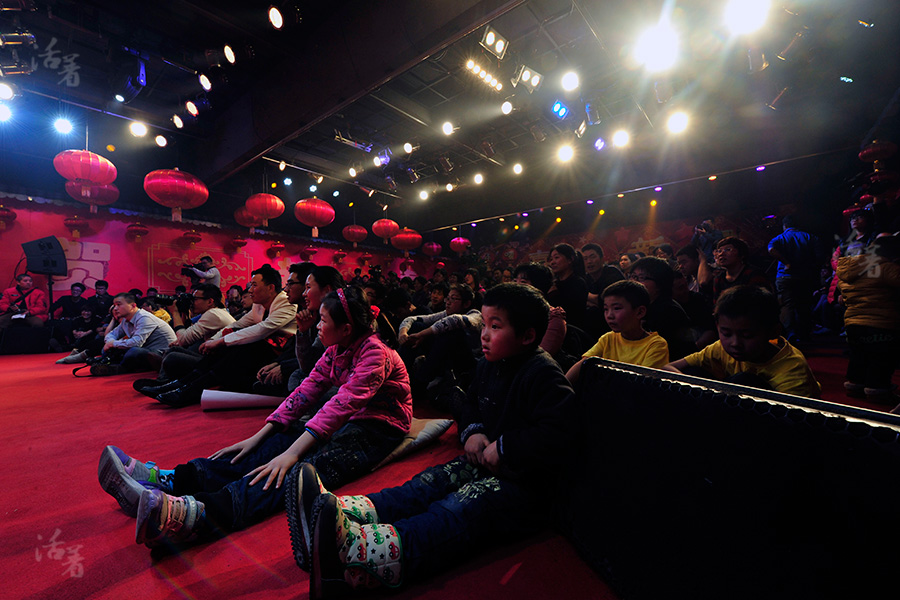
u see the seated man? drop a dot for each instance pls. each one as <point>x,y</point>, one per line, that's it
<point>85,329</point>
<point>235,354</point>
<point>209,317</point>
<point>142,336</point>
<point>102,300</point>
<point>749,351</point>
<point>64,311</point>
<point>23,304</point>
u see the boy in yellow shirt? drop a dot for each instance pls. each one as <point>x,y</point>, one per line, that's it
<point>750,351</point>
<point>624,307</point>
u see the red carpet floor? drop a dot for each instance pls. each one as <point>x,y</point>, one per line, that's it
<point>64,538</point>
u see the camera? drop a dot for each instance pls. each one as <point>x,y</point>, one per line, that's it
<point>182,302</point>
<point>187,269</point>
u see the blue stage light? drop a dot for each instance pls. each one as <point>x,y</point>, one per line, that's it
<point>560,109</point>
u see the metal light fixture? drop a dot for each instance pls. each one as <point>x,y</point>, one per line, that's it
<point>494,43</point>
<point>528,77</point>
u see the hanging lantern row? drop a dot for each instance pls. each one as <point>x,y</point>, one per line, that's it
<point>314,213</point>
<point>192,237</point>
<point>89,176</point>
<point>277,247</point>
<point>431,249</point>
<point>176,190</point>
<point>7,216</point>
<point>264,207</point>
<point>238,242</point>
<point>406,239</point>
<point>339,256</point>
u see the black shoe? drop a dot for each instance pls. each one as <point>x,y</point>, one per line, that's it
<point>183,396</point>
<point>303,489</point>
<point>153,391</point>
<point>142,383</point>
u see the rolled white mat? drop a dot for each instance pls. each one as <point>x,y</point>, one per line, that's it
<point>219,400</point>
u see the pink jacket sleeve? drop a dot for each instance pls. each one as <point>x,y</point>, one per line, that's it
<point>307,394</point>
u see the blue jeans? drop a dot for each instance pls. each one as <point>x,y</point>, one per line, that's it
<point>446,512</point>
<point>232,504</point>
<point>140,359</point>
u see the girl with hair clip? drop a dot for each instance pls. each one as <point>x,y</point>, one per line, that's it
<point>243,483</point>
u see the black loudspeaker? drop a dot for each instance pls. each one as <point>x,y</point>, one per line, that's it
<point>46,257</point>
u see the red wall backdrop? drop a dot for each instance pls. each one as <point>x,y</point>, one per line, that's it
<point>103,250</point>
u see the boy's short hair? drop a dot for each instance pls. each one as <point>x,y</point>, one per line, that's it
<point>269,276</point>
<point>751,301</point>
<point>690,251</point>
<point>442,287</point>
<point>101,282</point>
<point>525,308</point>
<point>466,293</point>
<point>211,292</point>
<point>302,269</point>
<point>634,293</point>
<point>79,285</point>
<point>209,258</point>
<point>658,270</point>
<point>740,245</point>
<point>540,276</point>
<point>592,246</point>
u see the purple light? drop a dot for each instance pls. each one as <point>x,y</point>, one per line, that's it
<point>657,189</point>
<point>761,168</point>
<point>473,225</point>
<point>600,144</point>
<point>590,201</point>
<point>524,214</point>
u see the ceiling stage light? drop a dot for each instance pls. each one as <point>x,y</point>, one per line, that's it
<point>678,122</point>
<point>282,166</point>
<point>335,193</point>
<point>119,98</point>
<point>230,56</point>
<point>657,189</point>
<point>517,169</point>
<point>8,91</point>
<point>313,188</point>
<point>621,138</point>
<point>560,110</point>
<point>528,77</point>
<point>506,107</point>
<point>657,48</point>
<point>449,187</point>
<point>409,148</point>
<point>423,195</point>
<point>570,81</point>
<point>179,123</point>
<point>478,179</point>
<point>746,16</point>
<point>653,203</point>
<point>413,176</point>
<point>288,181</point>
<point>205,83</point>
<point>599,144</point>
<point>565,153</point>
<point>355,170</point>
<point>447,128</point>
<point>5,113</point>
<point>495,43</point>
<point>276,19</point>
<point>161,141</point>
<point>63,125</point>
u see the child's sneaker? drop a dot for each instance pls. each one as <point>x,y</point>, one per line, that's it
<point>125,478</point>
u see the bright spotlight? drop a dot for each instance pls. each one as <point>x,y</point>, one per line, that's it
<point>161,141</point>
<point>63,125</point>
<point>479,178</point>
<point>570,81</point>
<point>449,187</point>
<point>494,42</point>
<point>560,110</point>
<point>506,107</point>
<point>599,144</point>
<point>447,128</point>
<point>376,161</point>
<point>678,122</point>
<point>138,129</point>
<point>565,153</point>
<point>517,169</point>
<point>335,193</point>
<point>282,166</point>
<point>118,97</point>
<point>476,69</point>
<point>657,188</point>
<point>313,188</point>
<point>746,16</point>
<point>8,91</point>
<point>528,77</point>
<point>179,123</point>
<point>423,195</point>
<point>288,181</point>
<point>653,203</point>
<point>408,148</point>
<point>229,54</point>
<point>275,17</point>
<point>192,108</point>
<point>205,83</point>
<point>352,171</point>
<point>621,138</point>
<point>470,65</point>
<point>657,48</point>
<point>5,113</point>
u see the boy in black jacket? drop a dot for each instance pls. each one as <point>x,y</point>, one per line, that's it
<point>515,423</point>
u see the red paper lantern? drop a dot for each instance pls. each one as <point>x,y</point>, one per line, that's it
<point>238,242</point>
<point>354,233</point>
<point>440,265</point>
<point>314,213</point>
<point>7,216</point>
<point>192,236</point>
<point>277,247</point>
<point>176,190</point>
<point>92,193</point>
<point>365,257</point>
<point>407,239</point>
<point>385,228</point>
<point>136,231</point>
<point>338,256</point>
<point>85,167</point>
<point>459,244</point>
<point>308,252</point>
<point>265,207</point>
<point>246,218</point>
<point>431,249</point>
<point>878,151</point>
<point>75,225</point>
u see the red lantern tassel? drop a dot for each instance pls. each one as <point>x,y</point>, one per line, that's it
<point>176,214</point>
<point>315,232</point>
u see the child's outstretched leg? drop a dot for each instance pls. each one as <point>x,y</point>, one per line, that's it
<point>304,487</point>
<point>164,518</point>
<point>126,478</point>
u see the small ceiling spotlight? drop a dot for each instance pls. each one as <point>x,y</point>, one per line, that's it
<point>205,83</point>
<point>448,128</point>
<point>276,19</point>
<point>588,201</point>
<point>119,98</point>
<point>288,181</point>
<point>197,105</point>
<point>495,43</point>
<point>517,169</point>
<point>191,107</point>
<point>161,141</point>
<point>506,107</point>
<point>449,187</point>
<point>560,110</point>
<point>63,125</point>
<point>592,110</point>
<point>621,138</point>
<point>409,148</point>
<point>413,176</point>
<point>478,179</point>
<point>178,121</point>
<point>653,203</point>
<point>313,188</point>
<point>138,129</point>
<point>761,168</point>
<point>335,193</point>
<point>558,207</point>
<point>368,192</point>
<point>657,48</point>
<point>8,91</point>
<point>228,53</point>
<point>581,129</point>
<point>678,122</point>
<point>570,81</point>
<point>746,16</point>
<point>392,185</point>
<point>282,166</point>
<point>5,113</point>
<point>565,153</point>
<point>423,195</point>
<point>316,177</point>
<point>712,177</point>
<point>657,189</point>
<point>528,77</point>
<point>382,159</point>
<point>599,144</point>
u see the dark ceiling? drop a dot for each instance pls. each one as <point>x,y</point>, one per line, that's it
<point>385,73</point>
